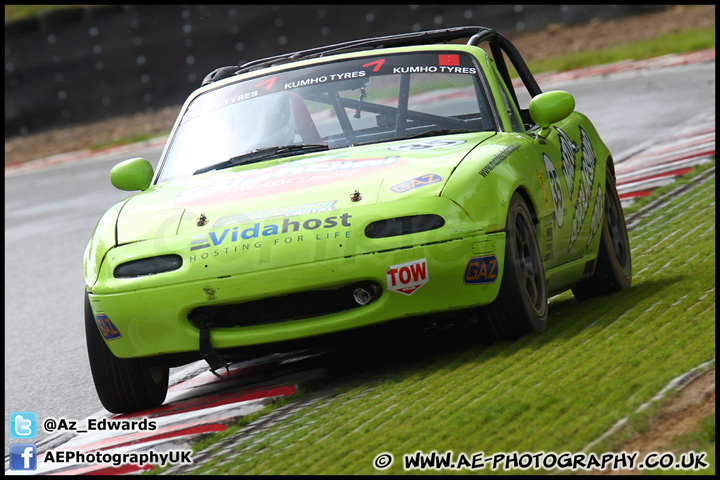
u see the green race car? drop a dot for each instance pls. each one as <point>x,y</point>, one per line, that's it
<point>345,186</point>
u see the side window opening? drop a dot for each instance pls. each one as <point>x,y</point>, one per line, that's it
<point>510,107</point>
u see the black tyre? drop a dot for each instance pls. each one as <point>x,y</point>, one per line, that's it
<point>522,304</point>
<point>613,271</point>
<point>123,385</point>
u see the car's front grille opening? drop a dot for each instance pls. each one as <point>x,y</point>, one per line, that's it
<point>294,306</point>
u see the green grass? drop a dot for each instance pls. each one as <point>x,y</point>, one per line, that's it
<point>643,202</point>
<point>21,12</point>
<point>597,363</point>
<point>682,42</point>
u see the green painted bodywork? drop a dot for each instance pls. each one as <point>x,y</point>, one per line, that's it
<point>237,245</point>
<point>551,107</point>
<point>131,175</point>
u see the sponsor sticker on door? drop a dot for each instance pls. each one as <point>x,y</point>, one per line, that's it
<point>407,278</point>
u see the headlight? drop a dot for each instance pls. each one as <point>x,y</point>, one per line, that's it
<point>392,227</point>
<point>148,266</point>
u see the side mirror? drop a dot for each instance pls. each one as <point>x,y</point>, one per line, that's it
<point>551,107</point>
<point>131,175</point>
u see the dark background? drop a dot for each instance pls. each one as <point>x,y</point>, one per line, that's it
<point>85,64</point>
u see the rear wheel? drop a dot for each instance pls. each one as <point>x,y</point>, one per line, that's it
<point>613,271</point>
<point>123,385</point>
<point>522,304</point>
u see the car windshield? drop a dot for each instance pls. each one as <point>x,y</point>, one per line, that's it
<point>329,106</point>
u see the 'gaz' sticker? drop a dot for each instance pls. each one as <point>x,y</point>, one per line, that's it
<point>481,270</point>
<point>107,327</point>
<point>416,182</point>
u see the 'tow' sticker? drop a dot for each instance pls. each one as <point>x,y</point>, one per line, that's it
<point>407,278</point>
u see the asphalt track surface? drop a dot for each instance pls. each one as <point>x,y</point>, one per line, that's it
<point>657,117</point>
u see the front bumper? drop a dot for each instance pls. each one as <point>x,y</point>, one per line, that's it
<point>453,268</point>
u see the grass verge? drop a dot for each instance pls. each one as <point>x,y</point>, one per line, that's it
<point>681,42</point>
<point>21,12</point>
<point>597,363</point>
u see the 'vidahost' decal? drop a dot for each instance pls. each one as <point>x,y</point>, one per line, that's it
<point>406,278</point>
<point>285,178</point>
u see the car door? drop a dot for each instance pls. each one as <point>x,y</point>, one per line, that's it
<point>570,165</point>
<point>557,163</point>
<point>550,173</point>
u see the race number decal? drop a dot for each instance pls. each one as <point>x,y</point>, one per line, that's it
<point>596,216</point>
<point>425,145</point>
<point>407,278</point>
<point>568,160</point>
<point>587,177</point>
<point>556,190</point>
<point>587,174</point>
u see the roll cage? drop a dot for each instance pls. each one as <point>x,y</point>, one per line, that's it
<point>476,35</point>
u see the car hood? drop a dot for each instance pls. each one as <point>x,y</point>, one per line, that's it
<point>309,183</point>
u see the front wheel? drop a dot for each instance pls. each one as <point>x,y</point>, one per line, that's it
<point>613,271</point>
<point>123,385</point>
<point>522,303</point>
